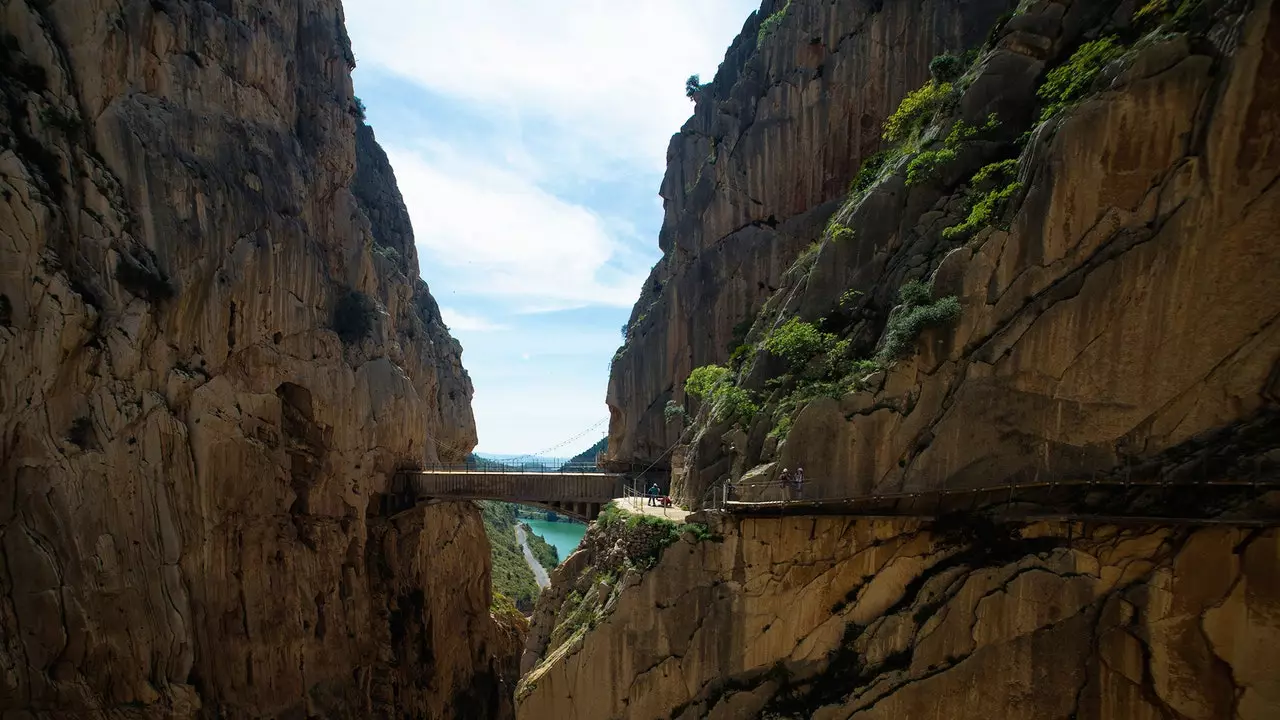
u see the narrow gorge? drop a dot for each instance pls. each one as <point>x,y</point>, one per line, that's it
<point>996,278</point>
<point>1009,268</point>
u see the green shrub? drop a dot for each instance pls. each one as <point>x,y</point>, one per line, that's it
<point>915,292</point>
<point>692,86</point>
<point>798,342</point>
<point>946,68</point>
<point>732,403</point>
<point>906,325</point>
<point>1073,79</point>
<point>714,384</point>
<point>353,316</point>
<point>869,173</point>
<point>703,380</point>
<point>984,212</point>
<point>1188,14</point>
<point>839,232</point>
<point>926,166</point>
<point>849,297</point>
<point>995,174</point>
<point>771,23</point>
<point>672,410</point>
<point>916,110</point>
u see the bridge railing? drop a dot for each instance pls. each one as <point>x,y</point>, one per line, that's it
<point>544,467</point>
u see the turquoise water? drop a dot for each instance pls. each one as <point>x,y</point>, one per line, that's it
<point>564,536</point>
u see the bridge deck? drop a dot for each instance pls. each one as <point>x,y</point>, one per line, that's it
<point>580,494</point>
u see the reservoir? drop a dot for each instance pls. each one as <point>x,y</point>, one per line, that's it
<point>565,536</point>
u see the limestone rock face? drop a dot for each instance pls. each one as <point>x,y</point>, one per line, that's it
<point>751,178</point>
<point>214,352</point>
<point>1119,318</point>
<point>859,618</point>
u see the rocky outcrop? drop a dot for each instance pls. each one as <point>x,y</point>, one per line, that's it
<point>213,356</point>
<point>860,618</point>
<point>751,178</point>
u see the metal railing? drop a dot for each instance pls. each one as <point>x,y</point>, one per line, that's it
<point>541,467</point>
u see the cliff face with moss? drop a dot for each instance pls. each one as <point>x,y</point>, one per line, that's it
<point>214,352</point>
<point>1057,264</point>
<point>1047,253</point>
<point>768,154</point>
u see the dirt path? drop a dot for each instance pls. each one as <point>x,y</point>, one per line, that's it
<point>641,506</point>
<point>539,572</point>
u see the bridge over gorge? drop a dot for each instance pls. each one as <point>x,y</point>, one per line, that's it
<point>579,491</point>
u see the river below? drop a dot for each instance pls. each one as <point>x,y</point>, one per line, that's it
<point>563,536</point>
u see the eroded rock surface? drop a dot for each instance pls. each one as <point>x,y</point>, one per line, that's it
<point>860,618</point>
<point>751,178</point>
<point>213,356</point>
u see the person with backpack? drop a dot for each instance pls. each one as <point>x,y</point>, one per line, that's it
<point>654,492</point>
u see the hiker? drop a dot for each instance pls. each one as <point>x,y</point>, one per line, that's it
<point>654,492</point>
<point>797,481</point>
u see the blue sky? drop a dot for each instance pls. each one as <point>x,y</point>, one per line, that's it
<point>529,140</point>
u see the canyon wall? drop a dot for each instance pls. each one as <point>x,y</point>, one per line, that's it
<point>752,176</point>
<point>1058,265</point>
<point>830,618</point>
<point>214,352</point>
<point>1112,309</point>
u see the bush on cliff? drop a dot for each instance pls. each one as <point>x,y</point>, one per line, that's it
<point>916,110</point>
<point>1074,79</point>
<point>917,312</point>
<point>353,316</point>
<point>714,384</point>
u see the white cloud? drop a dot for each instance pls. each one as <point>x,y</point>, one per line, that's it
<point>458,320</point>
<point>501,236</point>
<point>608,76</point>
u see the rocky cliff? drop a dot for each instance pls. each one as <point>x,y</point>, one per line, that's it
<point>794,109</point>
<point>1057,265</point>
<point>215,351</point>
<point>831,618</point>
<point>1044,251</point>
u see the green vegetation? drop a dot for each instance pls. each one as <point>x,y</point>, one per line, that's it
<point>502,607</point>
<point>714,384</point>
<point>946,68</point>
<point>798,342</point>
<point>997,173</point>
<point>838,231</point>
<point>771,23</point>
<point>512,577</point>
<point>643,537</point>
<point>868,174</point>
<point>1185,15</point>
<point>544,552</point>
<point>672,410</point>
<point>692,86</point>
<point>926,166</point>
<point>916,110</point>
<point>703,380</point>
<point>589,455</point>
<point>983,212</point>
<point>918,311</point>
<point>1072,80</point>
<point>353,316</point>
